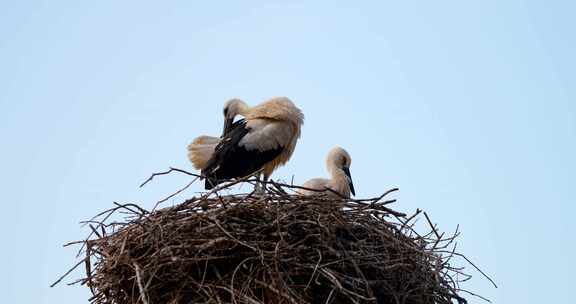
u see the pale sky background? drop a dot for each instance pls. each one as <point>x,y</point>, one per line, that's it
<point>469,107</point>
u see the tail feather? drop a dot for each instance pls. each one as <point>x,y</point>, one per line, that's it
<point>200,151</point>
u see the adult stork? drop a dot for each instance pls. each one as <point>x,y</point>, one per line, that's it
<point>338,164</point>
<point>264,140</point>
<point>202,147</point>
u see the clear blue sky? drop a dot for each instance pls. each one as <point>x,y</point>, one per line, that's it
<point>469,107</point>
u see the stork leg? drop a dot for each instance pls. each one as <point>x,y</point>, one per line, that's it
<point>260,187</point>
<point>257,185</point>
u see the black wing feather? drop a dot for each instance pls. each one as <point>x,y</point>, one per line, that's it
<point>230,160</point>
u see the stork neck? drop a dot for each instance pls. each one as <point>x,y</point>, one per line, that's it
<point>243,109</point>
<point>340,182</point>
<point>337,174</point>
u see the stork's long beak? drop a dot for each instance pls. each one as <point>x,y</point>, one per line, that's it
<point>227,125</point>
<point>347,171</point>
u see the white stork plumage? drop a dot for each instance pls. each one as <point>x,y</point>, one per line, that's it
<point>338,164</point>
<point>264,140</point>
<point>202,147</point>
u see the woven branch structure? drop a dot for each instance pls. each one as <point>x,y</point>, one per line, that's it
<point>272,248</point>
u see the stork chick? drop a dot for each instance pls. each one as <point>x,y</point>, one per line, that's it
<point>338,164</point>
<point>264,140</point>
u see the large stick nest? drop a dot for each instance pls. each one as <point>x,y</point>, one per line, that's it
<point>271,248</point>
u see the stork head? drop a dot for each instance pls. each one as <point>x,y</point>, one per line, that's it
<point>339,159</point>
<point>232,108</point>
